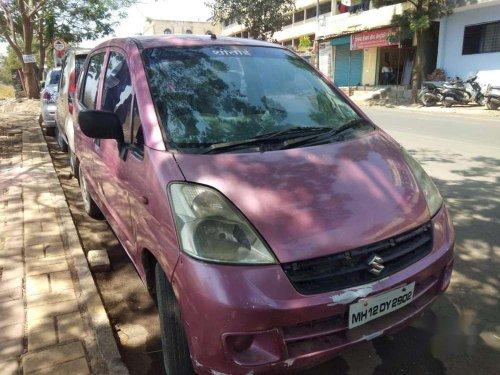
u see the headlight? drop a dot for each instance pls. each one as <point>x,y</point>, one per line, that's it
<point>211,228</point>
<point>431,193</point>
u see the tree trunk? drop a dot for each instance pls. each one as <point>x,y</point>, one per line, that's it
<point>29,72</point>
<point>41,48</point>
<point>418,67</point>
<point>31,81</point>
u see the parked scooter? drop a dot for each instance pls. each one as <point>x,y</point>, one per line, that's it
<point>430,95</point>
<point>459,92</point>
<point>492,97</point>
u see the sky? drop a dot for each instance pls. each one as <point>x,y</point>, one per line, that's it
<point>133,24</point>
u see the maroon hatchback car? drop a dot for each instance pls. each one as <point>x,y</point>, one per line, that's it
<point>274,223</point>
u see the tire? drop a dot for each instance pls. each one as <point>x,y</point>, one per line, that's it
<point>73,164</point>
<point>60,141</point>
<point>425,100</point>
<point>447,104</point>
<point>176,358</point>
<point>89,205</point>
<point>50,131</point>
<point>491,105</point>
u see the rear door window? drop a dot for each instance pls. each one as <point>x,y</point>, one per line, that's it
<point>79,61</point>
<point>92,81</point>
<point>117,91</point>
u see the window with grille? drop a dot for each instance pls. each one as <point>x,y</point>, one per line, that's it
<point>311,12</point>
<point>482,38</point>
<point>325,8</point>
<point>298,16</point>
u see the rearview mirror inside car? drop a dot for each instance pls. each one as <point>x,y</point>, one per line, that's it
<point>100,125</point>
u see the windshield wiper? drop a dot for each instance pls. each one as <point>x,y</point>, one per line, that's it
<point>323,136</point>
<point>265,138</point>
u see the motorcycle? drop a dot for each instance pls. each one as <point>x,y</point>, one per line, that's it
<point>492,97</point>
<point>430,95</point>
<point>456,92</point>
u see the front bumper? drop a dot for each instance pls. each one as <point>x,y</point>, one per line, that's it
<point>240,319</point>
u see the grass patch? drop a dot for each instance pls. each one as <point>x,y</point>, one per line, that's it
<point>6,91</point>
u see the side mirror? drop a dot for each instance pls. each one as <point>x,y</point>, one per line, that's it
<point>101,125</point>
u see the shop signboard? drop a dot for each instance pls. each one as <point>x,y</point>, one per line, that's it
<point>375,38</point>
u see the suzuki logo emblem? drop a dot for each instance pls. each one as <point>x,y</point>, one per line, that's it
<point>375,265</point>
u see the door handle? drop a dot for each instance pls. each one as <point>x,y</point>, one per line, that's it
<point>143,199</point>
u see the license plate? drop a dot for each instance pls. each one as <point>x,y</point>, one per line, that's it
<point>371,308</point>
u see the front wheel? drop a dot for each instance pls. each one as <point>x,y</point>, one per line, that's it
<point>51,131</point>
<point>73,164</point>
<point>427,100</point>
<point>60,141</point>
<point>447,103</point>
<point>176,358</point>
<point>491,105</point>
<point>89,204</point>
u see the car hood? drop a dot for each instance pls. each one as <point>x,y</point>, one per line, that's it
<point>315,201</point>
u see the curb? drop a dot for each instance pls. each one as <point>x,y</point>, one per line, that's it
<point>88,297</point>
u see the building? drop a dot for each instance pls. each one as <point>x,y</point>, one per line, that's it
<point>469,42</point>
<point>155,27</point>
<point>337,24</point>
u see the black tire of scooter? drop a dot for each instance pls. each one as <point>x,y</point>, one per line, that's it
<point>491,105</point>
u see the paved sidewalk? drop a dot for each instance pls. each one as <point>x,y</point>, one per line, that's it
<point>51,317</point>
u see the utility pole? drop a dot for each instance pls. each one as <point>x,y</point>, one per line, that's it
<point>316,36</point>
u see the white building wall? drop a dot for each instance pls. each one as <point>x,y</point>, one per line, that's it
<point>451,36</point>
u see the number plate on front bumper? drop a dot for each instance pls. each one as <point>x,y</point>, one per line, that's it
<point>371,308</point>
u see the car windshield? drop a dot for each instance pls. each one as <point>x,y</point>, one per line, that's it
<point>54,77</point>
<point>213,95</point>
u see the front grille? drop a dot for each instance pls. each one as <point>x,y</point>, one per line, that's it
<point>351,268</point>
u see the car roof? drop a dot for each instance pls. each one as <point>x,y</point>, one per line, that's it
<point>178,40</point>
<point>78,50</point>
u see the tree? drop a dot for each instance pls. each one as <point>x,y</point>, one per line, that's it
<point>25,24</point>
<point>304,42</point>
<point>413,23</point>
<point>261,18</point>
<point>9,63</point>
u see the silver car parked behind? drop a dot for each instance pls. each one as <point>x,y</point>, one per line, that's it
<point>48,97</point>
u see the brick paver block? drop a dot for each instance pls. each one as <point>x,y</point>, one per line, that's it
<point>98,260</point>
<point>46,265</point>
<point>43,250</point>
<point>76,367</point>
<point>41,237</point>
<point>53,358</point>
<point>37,284</point>
<point>60,281</point>
<point>41,333</point>
<point>50,298</point>
<point>12,312</point>
<point>9,367</point>
<point>10,294</point>
<point>11,349</point>
<point>51,310</point>
<point>69,326</point>
<point>11,332</point>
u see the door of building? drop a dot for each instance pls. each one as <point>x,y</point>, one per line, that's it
<point>341,70</point>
